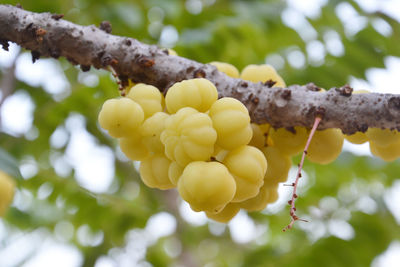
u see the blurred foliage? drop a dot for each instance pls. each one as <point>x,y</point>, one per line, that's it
<point>241,33</point>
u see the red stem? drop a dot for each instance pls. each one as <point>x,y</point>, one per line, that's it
<point>294,195</point>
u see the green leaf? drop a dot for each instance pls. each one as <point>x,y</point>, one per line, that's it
<point>9,164</point>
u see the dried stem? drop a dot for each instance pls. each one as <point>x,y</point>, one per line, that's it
<point>298,176</point>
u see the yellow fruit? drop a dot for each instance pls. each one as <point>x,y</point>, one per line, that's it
<point>289,142</point>
<point>206,186</point>
<point>188,136</point>
<point>226,68</point>
<point>148,97</point>
<point>225,215</point>
<point>383,137</point>
<point>325,146</point>
<point>7,188</point>
<point>265,127</point>
<point>273,194</point>
<point>219,153</point>
<point>151,130</point>
<point>357,138</point>
<point>278,166</point>
<point>390,152</point>
<point>258,139</point>
<point>262,73</point>
<point>248,165</point>
<point>231,120</point>
<point>267,194</point>
<point>133,147</point>
<point>199,94</point>
<point>377,136</point>
<point>120,117</point>
<point>174,172</point>
<point>154,172</point>
<point>172,52</point>
<point>361,92</point>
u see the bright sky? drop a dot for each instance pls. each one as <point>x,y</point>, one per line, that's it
<point>93,162</point>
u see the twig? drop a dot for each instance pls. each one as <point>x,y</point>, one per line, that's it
<point>121,87</point>
<point>298,176</point>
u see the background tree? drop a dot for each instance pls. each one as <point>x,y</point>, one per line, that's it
<point>327,43</point>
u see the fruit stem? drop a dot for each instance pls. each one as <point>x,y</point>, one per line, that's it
<point>298,176</point>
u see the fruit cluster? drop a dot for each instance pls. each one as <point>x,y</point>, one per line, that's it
<point>208,148</point>
<point>383,143</point>
<point>7,187</point>
<point>193,141</point>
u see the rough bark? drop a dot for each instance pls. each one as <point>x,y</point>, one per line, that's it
<point>48,35</point>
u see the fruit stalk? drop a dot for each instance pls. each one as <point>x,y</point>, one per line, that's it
<point>291,202</point>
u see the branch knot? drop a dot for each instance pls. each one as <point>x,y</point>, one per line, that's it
<point>345,90</point>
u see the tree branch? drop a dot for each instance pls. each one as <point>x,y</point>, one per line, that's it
<point>48,35</point>
<point>7,83</point>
